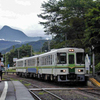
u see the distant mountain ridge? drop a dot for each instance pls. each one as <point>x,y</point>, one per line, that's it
<point>37,45</point>
<point>7,44</point>
<point>11,34</point>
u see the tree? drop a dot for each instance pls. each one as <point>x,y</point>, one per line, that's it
<point>92,34</point>
<point>23,51</point>
<point>65,18</point>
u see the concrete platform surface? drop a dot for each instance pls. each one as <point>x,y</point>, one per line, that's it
<point>14,90</point>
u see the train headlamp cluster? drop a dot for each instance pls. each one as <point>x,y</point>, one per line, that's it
<point>80,70</point>
<point>63,71</point>
<point>71,50</point>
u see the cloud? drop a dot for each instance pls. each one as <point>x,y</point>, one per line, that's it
<point>7,14</point>
<point>23,2</point>
<point>29,24</point>
<point>2,39</point>
<point>22,15</point>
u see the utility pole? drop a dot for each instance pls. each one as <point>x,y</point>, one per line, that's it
<point>65,39</point>
<point>5,64</point>
<point>5,60</point>
<point>18,53</point>
<point>93,65</point>
<point>48,45</point>
<point>31,50</point>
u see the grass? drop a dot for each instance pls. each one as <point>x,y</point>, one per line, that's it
<point>11,70</point>
<point>85,97</point>
<point>27,84</point>
<point>41,93</point>
<point>20,80</point>
<point>3,79</point>
<point>13,79</point>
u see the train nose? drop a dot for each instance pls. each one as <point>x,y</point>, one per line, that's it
<point>71,76</point>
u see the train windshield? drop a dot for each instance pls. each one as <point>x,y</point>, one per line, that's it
<point>61,58</point>
<point>71,59</point>
<point>80,58</point>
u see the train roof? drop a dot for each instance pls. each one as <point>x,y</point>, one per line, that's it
<point>27,58</point>
<point>62,50</point>
<point>54,51</point>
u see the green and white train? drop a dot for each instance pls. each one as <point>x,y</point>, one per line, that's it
<point>61,65</point>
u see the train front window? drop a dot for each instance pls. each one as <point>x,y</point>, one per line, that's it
<point>61,58</point>
<point>71,59</point>
<point>80,58</point>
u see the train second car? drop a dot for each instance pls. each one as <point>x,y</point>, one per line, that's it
<point>61,65</point>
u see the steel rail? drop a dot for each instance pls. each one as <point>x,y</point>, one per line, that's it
<point>46,91</point>
<point>53,94</point>
<point>91,92</point>
<point>35,95</point>
<point>80,89</point>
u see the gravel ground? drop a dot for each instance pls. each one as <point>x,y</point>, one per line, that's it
<point>71,95</point>
<point>65,94</point>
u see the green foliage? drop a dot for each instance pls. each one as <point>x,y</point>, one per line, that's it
<point>65,18</point>
<point>23,51</point>
<point>97,67</point>
<point>92,34</point>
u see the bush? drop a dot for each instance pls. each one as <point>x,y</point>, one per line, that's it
<point>97,67</point>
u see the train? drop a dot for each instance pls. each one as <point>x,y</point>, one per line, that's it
<point>60,65</point>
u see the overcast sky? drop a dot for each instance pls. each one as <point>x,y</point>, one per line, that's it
<point>22,15</point>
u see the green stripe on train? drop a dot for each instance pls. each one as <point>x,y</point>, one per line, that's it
<point>38,67</point>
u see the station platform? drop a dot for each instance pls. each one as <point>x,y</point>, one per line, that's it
<point>14,90</point>
<point>94,79</point>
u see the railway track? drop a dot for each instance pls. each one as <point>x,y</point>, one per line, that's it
<point>42,91</point>
<point>87,92</point>
<point>92,93</point>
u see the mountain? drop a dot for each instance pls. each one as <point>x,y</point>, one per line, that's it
<point>37,45</point>
<point>11,34</point>
<point>7,44</point>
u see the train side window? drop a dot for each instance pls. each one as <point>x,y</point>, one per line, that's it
<point>61,58</point>
<point>80,58</point>
<point>25,63</point>
<point>51,60</point>
<point>71,59</point>
<point>37,61</point>
<point>20,63</point>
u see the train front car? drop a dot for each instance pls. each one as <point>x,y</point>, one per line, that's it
<point>70,65</point>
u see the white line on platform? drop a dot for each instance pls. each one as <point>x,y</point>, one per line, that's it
<point>3,96</point>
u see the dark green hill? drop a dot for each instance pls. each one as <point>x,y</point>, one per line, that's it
<point>37,45</point>
<point>7,44</point>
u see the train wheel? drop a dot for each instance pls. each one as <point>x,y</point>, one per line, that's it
<point>38,76</point>
<point>20,74</point>
<point>30,75</point>
<point>33,75</point>
<point>23,75</point>
<point>46,77</point>
<point>51,77</point>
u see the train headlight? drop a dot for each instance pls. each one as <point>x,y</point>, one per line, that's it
<point>80,70</point>
<point>71,50</point>
<point>63,71</point>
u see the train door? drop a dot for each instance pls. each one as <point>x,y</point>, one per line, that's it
<point>25,63</point>
<point>37,61</point>
<point>71,62</point>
